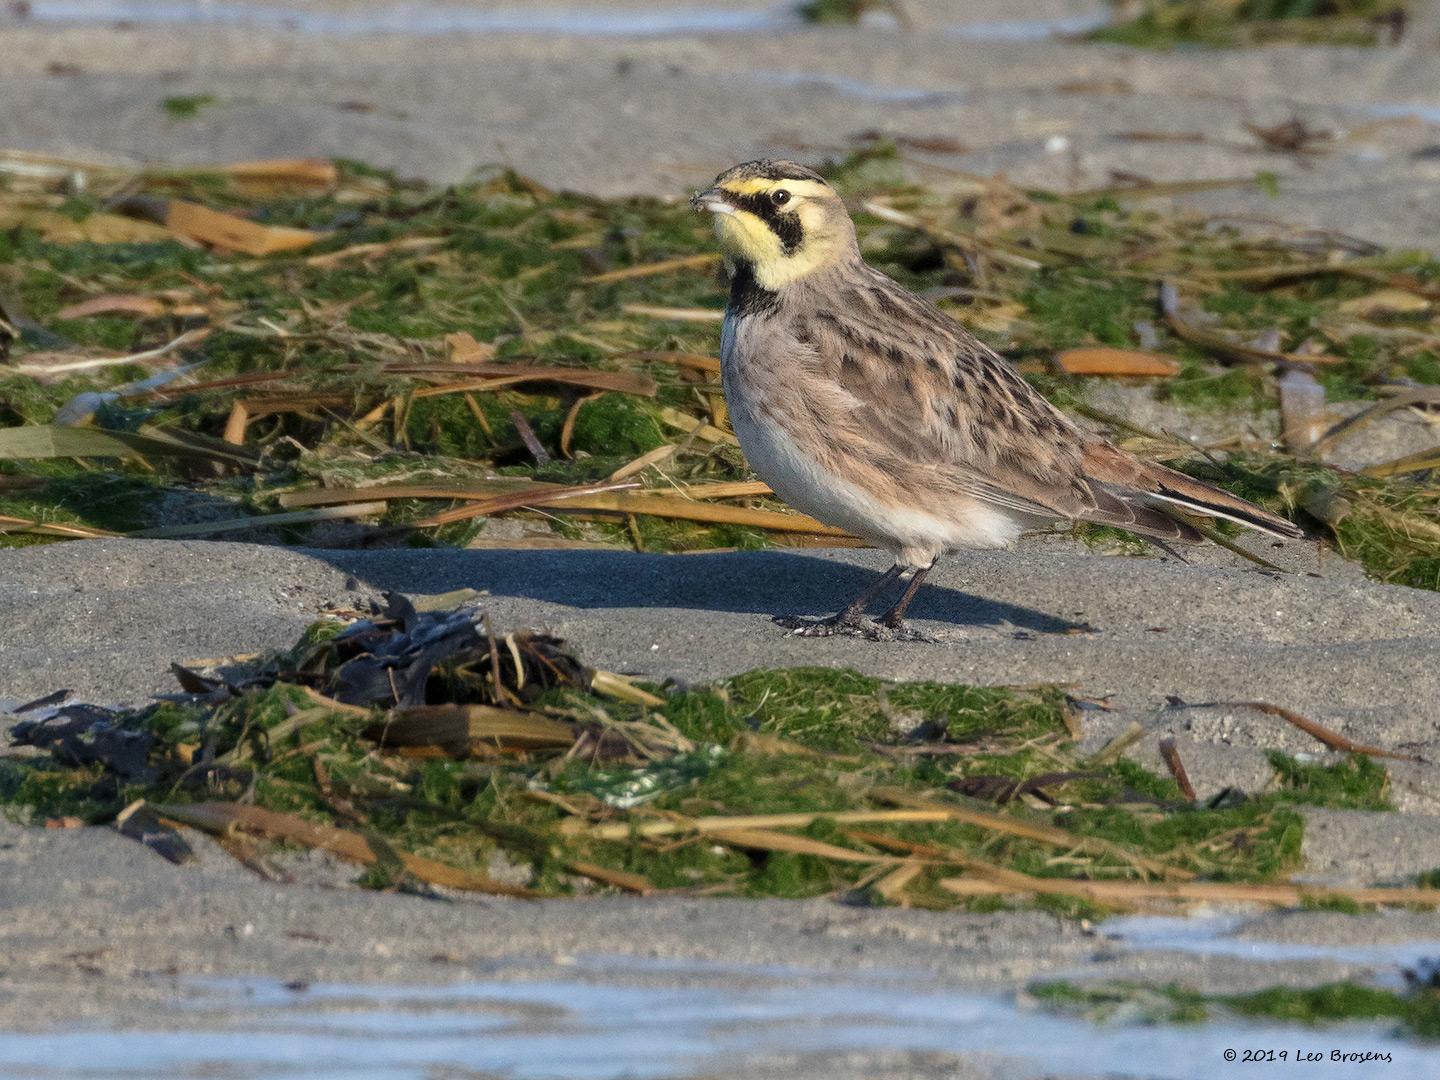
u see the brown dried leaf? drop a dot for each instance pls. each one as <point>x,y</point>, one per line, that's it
<point>1386,304</point>
<point>1029,830</point>
<point>1125,893</point>
<point>769,840</point>
<point>1171,756</point>
<point>462,348</point>
<point>58,228</point>
<point>664,266</point>
<point>705,826</point>
<point>496,375</point>
<point>1103,360</point>
<point>516,500</point>
<point>1423,461</point>
<point>1223,346</point>
<point>621,879</point>
<point>697,361</point>
<point>232,233</point>
<point>457,727</point>
<point>306,172</point>
<point>673,314</point>
<point>1333,739</point>
<point>146,307</point>
<point>892,886</point>
<point>369,251</point>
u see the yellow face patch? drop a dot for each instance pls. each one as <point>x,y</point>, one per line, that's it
<point>749,239</point>
<point>757,185</point>
<point>747,235</point>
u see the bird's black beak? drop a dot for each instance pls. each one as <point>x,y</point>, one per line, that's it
<point>713,200</point>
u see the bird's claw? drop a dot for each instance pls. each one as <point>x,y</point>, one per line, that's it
<point>841,625</point>
<point>900,630</point>
<point>850,626</point>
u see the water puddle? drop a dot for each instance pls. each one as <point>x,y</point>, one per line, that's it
<point>875,93</point>
<point>1031,29</point>
<point>599,1019</point>
<point>1430,114</point>
<point>1213,936</point>
<point>427,19</point>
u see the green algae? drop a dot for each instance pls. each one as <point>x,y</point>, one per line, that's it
<point>1078,306</point>
<point>617,425</point>
<point>1357,783</point>
<point>188,106</point>
<point>509,263</point>
<point>1134,1002</point>
<point>844,12</point>
<point>1385,525</point>
<point>102,500</point>
<point>1415,1014</point>
<point>1167,24</point>
<point>805,740</point>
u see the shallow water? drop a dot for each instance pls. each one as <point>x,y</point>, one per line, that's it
<point>426,19</point>
<point>604,1019</point>
<point>860,89</point>
<point>430,19</point>
<point>1031,29</point>
<point>1213,936</point>
<point>1430,114</point>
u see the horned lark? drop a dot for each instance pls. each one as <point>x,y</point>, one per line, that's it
<point>870,409</point>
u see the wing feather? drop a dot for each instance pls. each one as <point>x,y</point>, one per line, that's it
<point>919,383</point>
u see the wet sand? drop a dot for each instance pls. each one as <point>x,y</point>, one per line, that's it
<point>98,931</point>
<point>657,113</point>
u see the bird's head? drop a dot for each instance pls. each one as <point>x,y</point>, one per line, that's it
<point>780,219</point>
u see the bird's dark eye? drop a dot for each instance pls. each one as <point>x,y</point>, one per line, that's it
<point>779,197</point>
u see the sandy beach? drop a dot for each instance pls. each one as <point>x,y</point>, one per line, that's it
<point>100,933</point>
<point>618,113</point>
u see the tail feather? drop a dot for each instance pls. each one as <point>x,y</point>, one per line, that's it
<point>1183,491</point>
<point>1130,478</point>
<point>1133,516</point>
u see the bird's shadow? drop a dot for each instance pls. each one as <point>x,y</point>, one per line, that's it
<point>753,582</point>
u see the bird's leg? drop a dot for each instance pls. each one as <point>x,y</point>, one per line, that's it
<point>851,618</point>
<point>894,619</point>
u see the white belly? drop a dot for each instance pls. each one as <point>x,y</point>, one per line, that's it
<point>916,536</point>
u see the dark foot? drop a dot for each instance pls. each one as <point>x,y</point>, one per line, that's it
<point>903,631</point>
<point>855,626</point>
<point>846,624</point>
<point>900,630</point>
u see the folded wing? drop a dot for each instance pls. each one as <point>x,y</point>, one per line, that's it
<point>924,385</point>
